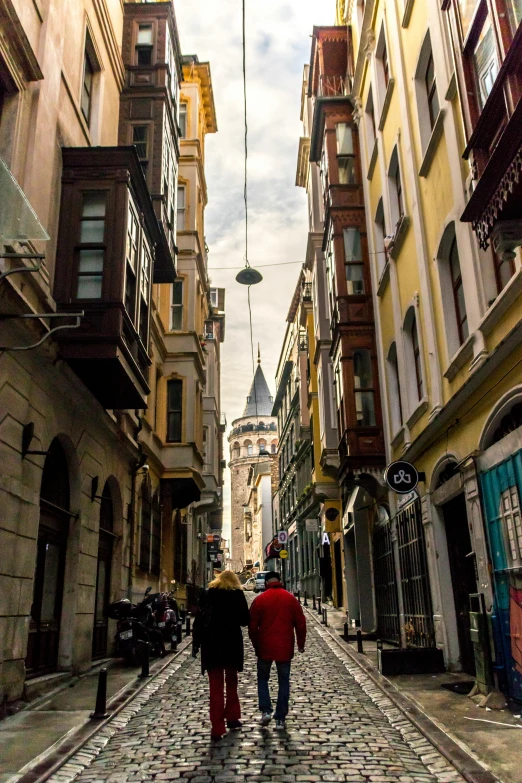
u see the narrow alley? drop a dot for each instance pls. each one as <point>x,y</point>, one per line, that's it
<point>340,728</point>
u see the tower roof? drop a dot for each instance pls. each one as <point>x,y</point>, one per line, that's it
<point>259,401</point>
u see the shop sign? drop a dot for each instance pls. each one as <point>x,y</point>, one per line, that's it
<point>401,477</point>
<point>405,500</point>
<point>325,539</point>
<point>283,553</point>
<point>312,525</point>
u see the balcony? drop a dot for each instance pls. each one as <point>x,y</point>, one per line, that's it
<point>108,242</point>
<point>332,86</point>
<point>361,447</point>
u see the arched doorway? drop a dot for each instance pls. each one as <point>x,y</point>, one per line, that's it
<point>103,574</point>
<point>46,609</point>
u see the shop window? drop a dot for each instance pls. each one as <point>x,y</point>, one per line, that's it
<point>176,308</point>
<point>91,247</point>
<point>353,261</point>
<point>364,390</point>
<point>345,154</point>
<point>509,512</point>
<point>144,44</point>
<point>174,411</point>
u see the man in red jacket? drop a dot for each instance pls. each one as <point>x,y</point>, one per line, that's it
<point>274,615</point>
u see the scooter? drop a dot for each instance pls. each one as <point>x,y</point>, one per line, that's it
<point>167,615</point>
<point>136,630</point>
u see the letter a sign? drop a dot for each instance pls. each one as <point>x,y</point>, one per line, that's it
<point>326,539</point>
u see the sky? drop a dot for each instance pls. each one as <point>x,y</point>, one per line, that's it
<point>278,34</point>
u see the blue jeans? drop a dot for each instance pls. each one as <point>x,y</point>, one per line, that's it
<point>263,691</point>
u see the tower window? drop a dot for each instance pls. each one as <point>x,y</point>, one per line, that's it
<point>144,44</point>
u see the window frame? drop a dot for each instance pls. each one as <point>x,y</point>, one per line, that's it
<point>174,412</point>
<point>356,264</point>
<point>457,285</point>
<point>140,48</point>
<point>179,306</point>
<point>183,129</point>
<point>364,390</point>
<point>181,211</point>
<point>91,246</point>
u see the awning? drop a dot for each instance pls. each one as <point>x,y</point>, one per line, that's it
<point>18,220</point>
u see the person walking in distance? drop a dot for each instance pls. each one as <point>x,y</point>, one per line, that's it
<point>275,615</point>
<point>222,610</point>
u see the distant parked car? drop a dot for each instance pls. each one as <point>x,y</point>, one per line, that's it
<point>260,584</point>
<point>250,583</point>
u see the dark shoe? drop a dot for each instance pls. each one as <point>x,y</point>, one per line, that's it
<point>280,725</point>
<point>215,737</point>
<point>266,718</point>
<point>233,725</point>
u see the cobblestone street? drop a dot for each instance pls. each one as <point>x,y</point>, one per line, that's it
<point>340,728</point>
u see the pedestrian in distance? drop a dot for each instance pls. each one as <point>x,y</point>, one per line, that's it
<point>222,610</point>
<point>275,616</point>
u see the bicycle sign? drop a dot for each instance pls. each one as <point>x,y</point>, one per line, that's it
<point>401,476</point>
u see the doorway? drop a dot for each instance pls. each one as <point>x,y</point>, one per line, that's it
<point>338,573</point>
<point>463,575</point>
<point>46,608</point>
<point>103,575</point>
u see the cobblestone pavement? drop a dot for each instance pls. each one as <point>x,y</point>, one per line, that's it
<point>341,728</point>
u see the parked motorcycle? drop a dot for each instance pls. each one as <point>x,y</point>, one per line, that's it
<point>136,630</point>
<point>166,612</point>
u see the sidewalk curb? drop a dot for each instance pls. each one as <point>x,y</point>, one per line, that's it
<point>50,761</point>
<point>469,767</point>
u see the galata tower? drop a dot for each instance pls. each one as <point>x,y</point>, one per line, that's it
<point>253,439</point>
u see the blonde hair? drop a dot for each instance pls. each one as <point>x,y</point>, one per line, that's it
<point>226,580</point>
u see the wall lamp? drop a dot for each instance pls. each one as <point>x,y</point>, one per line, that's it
<point>27,438</point>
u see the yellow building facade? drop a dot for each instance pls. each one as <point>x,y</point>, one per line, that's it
<point>448,323</point>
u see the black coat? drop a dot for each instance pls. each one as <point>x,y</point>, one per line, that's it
<point>217,629</point>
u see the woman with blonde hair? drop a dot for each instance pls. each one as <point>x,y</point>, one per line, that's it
<point>222,610</point>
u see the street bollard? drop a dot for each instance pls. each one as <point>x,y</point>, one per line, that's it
<point>187,626</point>
<point>299,596</point>
<point>325,617</point>
<point>179,631</point>
<point>319,611</point>
<point>100,710</point>
<point>174,642</point>
<point>345,632</point>
<point>145,671</point>
<point>305,599</point>
<point>313,602</point>
<point>359,642</point>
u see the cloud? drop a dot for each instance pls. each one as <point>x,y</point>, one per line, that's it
<point>278,46</point>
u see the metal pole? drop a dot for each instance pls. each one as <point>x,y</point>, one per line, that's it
<point>305,599</point>
<point>299,596</point>
<point>313,602</point>
<point>145,672</point>
<point>359,641</point>
<point>187,626</point>
<point>345,632</point>
<point>100,710</point>
<point>179,631</point>
<point>325,616</point>
<point>319,605</point>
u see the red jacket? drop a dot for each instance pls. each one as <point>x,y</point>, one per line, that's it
<point>273,616</point>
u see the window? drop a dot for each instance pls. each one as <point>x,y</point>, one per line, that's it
<point>87,83</point>
<point>431,90</point>
<point>209,330</point>
<point>353,261</point>
<point>394,389</point>
<point>458,293</point>
<point>510,515</point>
<point>174,410</point>
<point>176,308</point>
<point>466,13</point>
<point>181,208</point>
<point>504,269</point>
<point>416,358</point>
<point>363,385</point>
<point>273,447</point>
<point>395,185</point>
<point>515,13</point>
<point>183,120</point>
<point>370,124</point>
<point>249,448</point>
<point>485,61</point>
<point>131,265</point>
<point>214,297</point>
<point>236,450</point>
<point>145,526</point>
<point>91,253</point>
<point>144,44</point>
<point>140,140</point>
<point>146,265</point>
<point>385,65</point>
<point>345,154</point>
<point>380,234</point>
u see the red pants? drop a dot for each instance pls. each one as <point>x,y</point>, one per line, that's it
<point>219,711</point>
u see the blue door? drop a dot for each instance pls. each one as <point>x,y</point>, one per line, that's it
<point>501,491</point>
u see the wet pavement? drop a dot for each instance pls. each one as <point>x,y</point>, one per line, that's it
<point>341,727</point>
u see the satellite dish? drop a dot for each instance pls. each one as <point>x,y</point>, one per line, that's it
<point>249,276</point>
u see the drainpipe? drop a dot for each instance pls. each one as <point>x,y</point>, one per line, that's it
<point>135,467</point>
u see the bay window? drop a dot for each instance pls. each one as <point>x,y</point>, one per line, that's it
<point>144,44</point>
<point>353,261</point>
<point>364,389</point>
<point>345,154</point>
<point>176,309</point>
<point>91,247</point>
<point>174,410</point>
